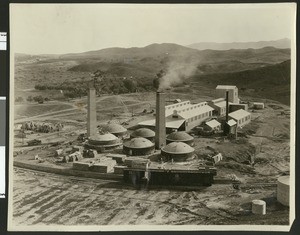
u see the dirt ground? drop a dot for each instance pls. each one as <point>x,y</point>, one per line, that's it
<point>47,199</point>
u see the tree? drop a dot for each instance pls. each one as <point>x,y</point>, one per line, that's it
<point>19,99</point>
<point>29,98</point>
<point>130,85</point>
<point>38,99</point>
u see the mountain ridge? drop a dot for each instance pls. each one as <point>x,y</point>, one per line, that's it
<point>281,43</point>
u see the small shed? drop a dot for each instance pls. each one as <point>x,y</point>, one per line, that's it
<point>213,125</point>
<point>258,105</point>
<point>230,128</point>
<point>241,116</point>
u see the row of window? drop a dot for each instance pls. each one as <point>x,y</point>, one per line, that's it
<point>192,107</point>
<point>244,119</point>
<point>177,105</point>
<point>201,116</point>
<point>184,104</point>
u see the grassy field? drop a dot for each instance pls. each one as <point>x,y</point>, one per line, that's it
<point>30,110</point>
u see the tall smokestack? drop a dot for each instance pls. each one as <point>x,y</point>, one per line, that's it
<point>92,118</point>
<point>160,121</point>
<point>227,106</point>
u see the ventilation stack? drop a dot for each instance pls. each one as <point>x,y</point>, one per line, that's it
<point>227,106</point>
<point>92,118</point>
<point>226,126</point>
<point>160,121</point>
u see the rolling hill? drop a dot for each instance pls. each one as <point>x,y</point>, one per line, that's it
<point>272,82</point>
<point>152,58</point>
<point>141,65</point>
<point>281,43</point>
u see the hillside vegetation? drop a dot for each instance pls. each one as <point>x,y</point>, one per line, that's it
<point>272,82</point>
<point>134,69</point>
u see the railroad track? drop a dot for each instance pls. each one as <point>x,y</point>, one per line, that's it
<point>118,183</point>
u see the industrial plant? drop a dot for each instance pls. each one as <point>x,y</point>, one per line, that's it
<point>180,145</point>
<point>163,150</point>
<point>168,126</point>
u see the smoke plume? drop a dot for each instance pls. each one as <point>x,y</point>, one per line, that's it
<point>176,73</point>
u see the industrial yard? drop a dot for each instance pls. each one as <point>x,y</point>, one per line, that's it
<point>249,170</point>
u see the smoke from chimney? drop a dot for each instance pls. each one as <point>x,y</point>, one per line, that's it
<point>176,73</point>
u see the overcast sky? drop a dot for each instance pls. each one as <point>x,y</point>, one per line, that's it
<point>63,28</point>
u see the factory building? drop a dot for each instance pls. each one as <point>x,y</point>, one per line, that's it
<point>138,146</point>
<point>212,125</point>
<point>195,115</point>
<point>177,106</point>
<point>184,119</point>
<point>219,106</point>
<point>233,93</point>
<point>102,142</point>
<point>177,151</point>
<point>114,129</point>
<point>241,117</point>
<point>235,107</point>
<point>163,169</point>
<point>180,136</point>
<point>230,128</point>
<point>143,132</point>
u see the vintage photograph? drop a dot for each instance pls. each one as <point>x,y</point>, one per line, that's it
<point>152,117</point>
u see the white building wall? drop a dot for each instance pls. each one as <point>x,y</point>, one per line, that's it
<point>243,121</point>
<point>178,106</point>
<point>197,120</point>
<point>233,95</point>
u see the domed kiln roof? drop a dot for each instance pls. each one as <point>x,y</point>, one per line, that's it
<point>138,142</point>
<point>112,128</point>
<point>179,136</point>
<point>178,148</point>
<point>143,132</point>
<point>103,137</point>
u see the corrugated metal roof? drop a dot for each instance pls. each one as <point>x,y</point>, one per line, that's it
<point>239,114</point>
<point>218,100</point>
<point>195,111</point>
<point>231,122</point>
<point>225,87</point>
<point>213,123</point>
<point>221,104</point>
<point>170,122</point>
